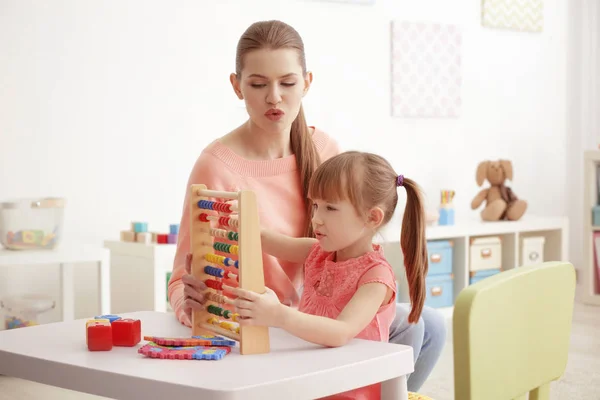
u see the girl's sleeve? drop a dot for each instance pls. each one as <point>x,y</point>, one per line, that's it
<point>209,171</point>
<point>380,273</point>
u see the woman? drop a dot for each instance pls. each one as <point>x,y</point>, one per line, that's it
<point>274,153</point>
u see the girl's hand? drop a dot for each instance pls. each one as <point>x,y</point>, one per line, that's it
<point>256,309</point>
<point>192,290</point>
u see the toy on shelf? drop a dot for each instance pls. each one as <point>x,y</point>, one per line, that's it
<point>237,233</point>
<point>139,233</point>
<point>499,200</point>
<point>105,331</point>
<point>446,208</point>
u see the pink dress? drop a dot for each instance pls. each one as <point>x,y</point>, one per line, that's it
<point>329,286</point>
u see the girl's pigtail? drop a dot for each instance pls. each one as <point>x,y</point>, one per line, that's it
<point>414,246</point>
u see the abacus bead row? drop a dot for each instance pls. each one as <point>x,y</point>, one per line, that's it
<point>225,221</point>
<point>228,221</point>
<point>215,205</point>
<point>224,234</point>
<point>226,248</point>
<point>224,324</point>
<point>222,312</point>
<point>211,283</point>
<point>220,273</point>
<point>214,271</point>
<point>226,261</point>
<point>217,298</point>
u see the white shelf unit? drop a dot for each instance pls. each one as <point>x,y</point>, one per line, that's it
<point>555,230</point>
<point>590,293</point>
<point>138,275</point>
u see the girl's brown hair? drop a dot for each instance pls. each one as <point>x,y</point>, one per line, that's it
<point>278,35</point>
<point>367,180</point>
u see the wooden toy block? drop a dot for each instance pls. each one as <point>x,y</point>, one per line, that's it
<point>154,350</point>
<point>161,238</point>
<point>126,332</point>
<point>128,236</point>
<point>172,238</point>
<point>143,237</point>
<point>99,335</point>
<point>109,317</point>
<point>174,229</point>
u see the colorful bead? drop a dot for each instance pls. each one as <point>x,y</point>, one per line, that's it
<point>214,271</point>
<point>211,283</point>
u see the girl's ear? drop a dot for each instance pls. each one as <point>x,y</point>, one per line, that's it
<point>375,217</point>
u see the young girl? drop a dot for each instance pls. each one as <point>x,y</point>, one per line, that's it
<point>349,287</point>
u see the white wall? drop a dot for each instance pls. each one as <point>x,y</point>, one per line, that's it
<point>109,103</point>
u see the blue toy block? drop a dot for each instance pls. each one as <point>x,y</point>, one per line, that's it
<point>174,229</point>
<point>110,317</point>
<point>140,227</point>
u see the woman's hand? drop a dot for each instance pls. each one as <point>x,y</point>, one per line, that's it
<point>192,291</point>
<point>256,309</point>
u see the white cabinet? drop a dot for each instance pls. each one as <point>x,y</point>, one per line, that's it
<point>138,275</point>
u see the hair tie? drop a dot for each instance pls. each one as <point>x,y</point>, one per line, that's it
<point>400,180</point>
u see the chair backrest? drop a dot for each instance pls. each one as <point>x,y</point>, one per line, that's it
<point>511,333</point>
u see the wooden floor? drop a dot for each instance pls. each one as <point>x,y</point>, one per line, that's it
<point>581,380</point>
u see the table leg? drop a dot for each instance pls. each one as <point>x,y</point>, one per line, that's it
<point>104,284</point>
<point>394,389</point>
<point>67,292</point>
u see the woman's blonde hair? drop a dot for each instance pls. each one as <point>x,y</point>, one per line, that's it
<point>367,180</point>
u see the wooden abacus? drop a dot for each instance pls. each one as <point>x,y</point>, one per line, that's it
<point>242,266</point>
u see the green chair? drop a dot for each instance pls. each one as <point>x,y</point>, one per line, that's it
<point>511,333</point>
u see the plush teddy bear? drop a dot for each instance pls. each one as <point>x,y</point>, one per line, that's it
<point>500,201</point>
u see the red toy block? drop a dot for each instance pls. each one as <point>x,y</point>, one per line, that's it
<point>126,332</point>
<point>99,336</point>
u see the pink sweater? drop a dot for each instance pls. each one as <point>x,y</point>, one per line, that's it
<point>280,203</point>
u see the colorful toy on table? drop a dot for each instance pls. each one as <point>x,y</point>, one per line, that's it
<point>98,335</point>
<point>200,340</point>
<point>124,332</point>
<point>154,350</point>
<point>446,208</point>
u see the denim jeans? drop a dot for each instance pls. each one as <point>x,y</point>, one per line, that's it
<point>426,337</point>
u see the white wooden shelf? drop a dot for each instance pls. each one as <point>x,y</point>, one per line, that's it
<point>138,274</point>
<point>591,293</point>
<point>555,231</point>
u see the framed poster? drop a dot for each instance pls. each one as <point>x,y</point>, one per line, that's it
<point>426,70</point>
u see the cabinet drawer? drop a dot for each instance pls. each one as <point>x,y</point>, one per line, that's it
<point>485,253</point>
<point>440,290</point>
<point>440,257</point>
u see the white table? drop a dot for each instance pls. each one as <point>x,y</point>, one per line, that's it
<point>66,255</point>
<point>56,354</point>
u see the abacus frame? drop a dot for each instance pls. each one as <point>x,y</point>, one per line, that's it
<point>252,339</point>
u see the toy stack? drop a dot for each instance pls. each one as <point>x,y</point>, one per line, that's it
<point>139,233</point>
<point>105,331</point>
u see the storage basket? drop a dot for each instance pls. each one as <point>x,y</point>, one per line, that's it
<point>31,223</point>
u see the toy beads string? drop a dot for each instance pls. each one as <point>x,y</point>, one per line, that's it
<point>222,266</point>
